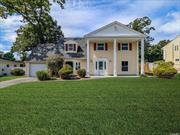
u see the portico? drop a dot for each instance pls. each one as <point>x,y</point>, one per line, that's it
<point>114,50</point>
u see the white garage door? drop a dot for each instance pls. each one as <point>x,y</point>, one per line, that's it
<point>33,68</point>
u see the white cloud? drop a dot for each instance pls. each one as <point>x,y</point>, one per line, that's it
<point>8,27</point>
<point>79,18</point>
<point>4,48</point>
<point>1,47</point>
<point>173,25</point>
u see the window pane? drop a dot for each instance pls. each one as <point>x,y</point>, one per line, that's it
<point>78,66</point>
<point>124,66</point>
<point>100,46</point>
<point>105,65</point>
<point>71,47</point>
<point>124,46</point>
<point>100,65</point>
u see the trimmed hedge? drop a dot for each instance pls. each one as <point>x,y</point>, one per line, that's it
<point>42,75</point>
<point>17,72</point>
<point>65,71</point>
<point>81,73</point>
<point>164,70</point>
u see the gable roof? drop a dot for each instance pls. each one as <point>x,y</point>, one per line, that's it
<point>178,36</point>
<point>114,29</point>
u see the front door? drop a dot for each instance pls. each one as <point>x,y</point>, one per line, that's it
<point>100,67</point>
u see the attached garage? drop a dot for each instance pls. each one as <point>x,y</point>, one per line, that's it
<point>33,67</point>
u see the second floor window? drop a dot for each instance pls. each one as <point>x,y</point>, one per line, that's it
<point>70,47</point>
<point>124,46</point>
<point>100,46</point>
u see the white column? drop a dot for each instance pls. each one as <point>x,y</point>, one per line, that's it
<point>88,59</point>
<point>142,56</point>
<point>137,58</point>
<point>115,57</point>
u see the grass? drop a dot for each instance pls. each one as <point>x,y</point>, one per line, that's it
<point>9,77</point>
<point>112,106</point>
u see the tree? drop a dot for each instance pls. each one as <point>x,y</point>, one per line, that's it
<point>9,56</point>
<point>27,37</point>
<point>143,25</point>
<point>154,52</point>
<point>40,28</point>
<point>33,12</point>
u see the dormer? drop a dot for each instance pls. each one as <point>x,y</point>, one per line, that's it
<point>70,46</point>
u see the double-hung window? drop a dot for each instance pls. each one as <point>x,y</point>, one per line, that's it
<point>100,46</point>
<point>71,47</point>
<point>78,66</point>
<point>124,46</point>
<point>124,65</point>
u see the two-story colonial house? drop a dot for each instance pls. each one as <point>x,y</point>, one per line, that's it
<point>171,52</point>
<point>111,50</point>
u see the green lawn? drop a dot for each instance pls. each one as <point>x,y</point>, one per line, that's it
<point>113,106</point>
<point>10,77</point>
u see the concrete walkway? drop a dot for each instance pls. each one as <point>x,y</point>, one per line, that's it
<point>4,84</point>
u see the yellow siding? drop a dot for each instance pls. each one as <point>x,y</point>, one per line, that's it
<point>74,60</point>
<point>170,54</point>
<point>101,54</point>
<point>130,56</point>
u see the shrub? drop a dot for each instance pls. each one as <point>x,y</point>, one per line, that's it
<point>164,70</point>
<point>65,71</point>
<point>42,75</point>
<point>17,72</point>
<point>54,64</point>
<point>81,73</point>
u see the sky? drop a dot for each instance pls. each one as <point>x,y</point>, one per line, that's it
<point>80,17</point>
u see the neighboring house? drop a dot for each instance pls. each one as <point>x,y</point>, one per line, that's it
<point>171,52</point>
<point>110,50</point>
<point>1,54</point>
<point>6,66</point>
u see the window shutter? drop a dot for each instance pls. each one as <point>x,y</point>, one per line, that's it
<point>66,45</point>
<point>119,46</point>
<point>130,46</point>
<point>94,46</point>
<point>106,46</point>
<point>74,47</point>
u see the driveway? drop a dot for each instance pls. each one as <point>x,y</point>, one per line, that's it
<point>4,84</point>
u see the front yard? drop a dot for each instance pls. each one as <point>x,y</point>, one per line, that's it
<point>10,77</point>
<point>113,106</point>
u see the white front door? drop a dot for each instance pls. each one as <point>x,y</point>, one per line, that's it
<point>101,67</point>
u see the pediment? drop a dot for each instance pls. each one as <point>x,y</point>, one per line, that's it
<point>115,29</point>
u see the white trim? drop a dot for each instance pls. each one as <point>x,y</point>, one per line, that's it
<point>115,22</point>
<point>142,56</point>
<point>127,46</point>
<point>137,58</point>
<point>115,57</point>
<point>103,45</point>
<point>97,60</point>
<point>88,58</point>
<point>70,51</point>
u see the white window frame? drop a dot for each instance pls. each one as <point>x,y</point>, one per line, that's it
<point>125,66</point>
<point>70,49</point>
<point>100,44</point>
<point>78,66</point>
<point>124,44</point>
